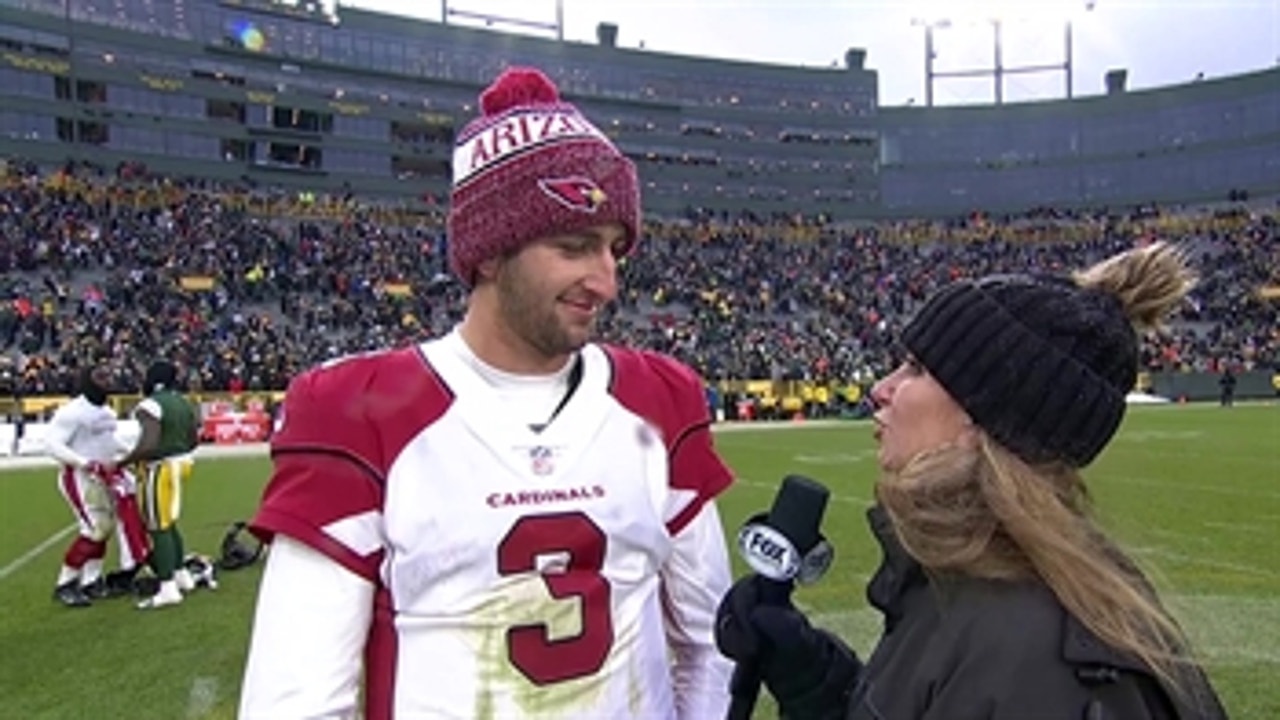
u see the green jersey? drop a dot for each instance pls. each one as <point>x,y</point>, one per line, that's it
<point>178,420</point>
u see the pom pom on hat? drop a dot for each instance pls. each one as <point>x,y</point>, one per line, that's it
<point>518,86</point>
<point>531,166</point>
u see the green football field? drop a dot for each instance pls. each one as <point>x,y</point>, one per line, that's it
<point>1193,490</point>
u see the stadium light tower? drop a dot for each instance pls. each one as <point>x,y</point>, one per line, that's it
<point>998,16</point>
<point>489,19</point>
<point>929,53</point>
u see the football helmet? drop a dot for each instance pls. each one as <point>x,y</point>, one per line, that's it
<point>202,570</point>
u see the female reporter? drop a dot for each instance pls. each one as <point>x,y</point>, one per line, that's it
<point>1002,597</point>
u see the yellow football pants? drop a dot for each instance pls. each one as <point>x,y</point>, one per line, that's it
<point>162,490</point>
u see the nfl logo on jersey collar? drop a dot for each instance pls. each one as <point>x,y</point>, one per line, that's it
<point>542,460</point>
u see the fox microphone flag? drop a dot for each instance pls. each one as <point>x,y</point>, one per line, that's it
<point>784,547</point>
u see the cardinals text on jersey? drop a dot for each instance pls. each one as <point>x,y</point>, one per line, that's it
<point>517,571</point>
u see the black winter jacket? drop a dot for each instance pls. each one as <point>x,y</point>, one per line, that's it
<point>967,649</point>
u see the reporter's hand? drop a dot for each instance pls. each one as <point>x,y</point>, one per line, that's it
<point>809,672</point>
<point>736,637</point>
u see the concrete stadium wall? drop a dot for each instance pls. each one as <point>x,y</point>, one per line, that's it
<point>764,137</point>
<point>1197,386</point>
<point>1189,143</point>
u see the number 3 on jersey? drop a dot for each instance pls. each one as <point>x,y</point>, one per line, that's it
<point>541,659</point>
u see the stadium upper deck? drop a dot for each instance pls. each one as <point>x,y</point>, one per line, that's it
<point>251,89</point>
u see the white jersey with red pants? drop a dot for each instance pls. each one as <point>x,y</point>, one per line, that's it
<point>478,568</point>
<point>81,433</point>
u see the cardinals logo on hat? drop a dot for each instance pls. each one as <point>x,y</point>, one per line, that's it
<point>576,193</point>
<point>528,146</point>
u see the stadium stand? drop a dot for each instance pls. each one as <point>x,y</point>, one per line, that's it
<point>244,287</point>
<point>180,181</point>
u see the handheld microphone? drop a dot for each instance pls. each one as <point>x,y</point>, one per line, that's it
<point>784,547</point>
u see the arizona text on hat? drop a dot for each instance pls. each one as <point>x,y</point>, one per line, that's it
<point>533,166</point>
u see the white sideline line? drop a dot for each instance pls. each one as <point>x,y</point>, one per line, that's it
<point>257,449</point>
<point>36,461</point>
<point>34,552</point>
<point>10,462</point>
<point>252,449</point>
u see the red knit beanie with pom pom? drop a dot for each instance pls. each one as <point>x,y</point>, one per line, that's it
<point>531,167</point>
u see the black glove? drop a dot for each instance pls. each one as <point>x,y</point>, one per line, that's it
<point>809,672</point>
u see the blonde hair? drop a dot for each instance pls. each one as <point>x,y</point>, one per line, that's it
<point>977,509</point>
<point>1147,281</point>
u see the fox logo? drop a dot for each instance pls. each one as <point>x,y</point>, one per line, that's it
<point>575,193</point>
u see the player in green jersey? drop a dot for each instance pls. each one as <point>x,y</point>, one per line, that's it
<point>164,456</point>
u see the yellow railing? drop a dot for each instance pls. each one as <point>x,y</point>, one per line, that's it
<point>791,395</point>
<point>787,394</point>
<point>45,405</point>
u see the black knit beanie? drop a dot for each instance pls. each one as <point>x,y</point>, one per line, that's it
<point>1040,364</point>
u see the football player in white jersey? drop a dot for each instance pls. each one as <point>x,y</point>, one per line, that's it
<point>82,437</point>
<point>510,521</point>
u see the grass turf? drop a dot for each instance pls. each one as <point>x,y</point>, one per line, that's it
<point>1193,490</point>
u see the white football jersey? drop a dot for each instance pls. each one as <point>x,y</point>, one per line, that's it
<point>517,572</point>
<point>88,430</point>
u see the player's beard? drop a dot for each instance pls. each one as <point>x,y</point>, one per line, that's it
<point>527,313</point>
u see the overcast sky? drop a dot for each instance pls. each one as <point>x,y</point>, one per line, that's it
<point>1159,42</point>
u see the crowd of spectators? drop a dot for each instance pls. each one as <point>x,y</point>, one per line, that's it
<point>244,287</point>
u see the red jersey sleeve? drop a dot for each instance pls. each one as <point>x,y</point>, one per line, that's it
<point>340,429</point>
<point>670,395</point>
